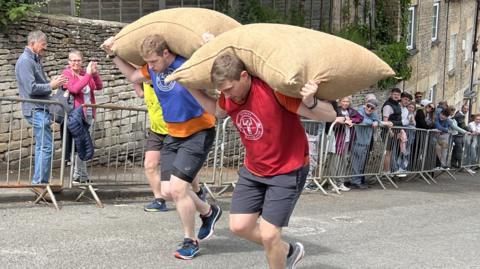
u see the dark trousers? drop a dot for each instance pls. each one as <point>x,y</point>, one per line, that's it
<point>68,145</point>
<point>457,150</point>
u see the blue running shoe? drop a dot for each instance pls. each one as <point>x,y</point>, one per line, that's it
<point>156,206</point>
<point>188,250</point>
<point>208,223</point>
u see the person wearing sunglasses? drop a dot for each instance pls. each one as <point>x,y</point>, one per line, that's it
<point>425,118</point>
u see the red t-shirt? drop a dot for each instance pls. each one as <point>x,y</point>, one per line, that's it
<point>271,131</point>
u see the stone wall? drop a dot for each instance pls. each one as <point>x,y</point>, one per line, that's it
<point>66,33</point>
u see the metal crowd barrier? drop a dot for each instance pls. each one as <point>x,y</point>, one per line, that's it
<point>362,151</point>
<point>18,143</point>
<point>315,132</point>
<point>470,155</point>
<point>119,134</point>
<point>358,151</point>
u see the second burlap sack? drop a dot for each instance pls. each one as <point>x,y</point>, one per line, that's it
<point>182,28</point>
<point>286,57</point>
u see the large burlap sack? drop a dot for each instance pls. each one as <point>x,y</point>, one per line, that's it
<point>182,28</point>
<point>286,57</point>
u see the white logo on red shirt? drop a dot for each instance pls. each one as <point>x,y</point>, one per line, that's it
<point>249,125</point>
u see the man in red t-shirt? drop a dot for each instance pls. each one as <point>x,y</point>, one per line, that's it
<point>276,159</point>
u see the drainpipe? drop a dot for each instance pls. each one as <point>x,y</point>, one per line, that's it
<point>445,54</point>
<point>474,50</point>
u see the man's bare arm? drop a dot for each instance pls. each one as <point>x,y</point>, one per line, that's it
<point>319,110</point>
<point>132,74</point>
<point>208,103</point>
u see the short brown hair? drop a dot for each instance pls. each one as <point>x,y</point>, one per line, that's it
<point>153,43</point>
<point>226,67</point>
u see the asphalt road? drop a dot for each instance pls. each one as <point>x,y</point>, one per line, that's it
<point>416,226</point>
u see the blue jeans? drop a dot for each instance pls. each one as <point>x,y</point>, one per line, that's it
<point>40,120</point>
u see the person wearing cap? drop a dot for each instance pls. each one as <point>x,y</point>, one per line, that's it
<point>364,141</point>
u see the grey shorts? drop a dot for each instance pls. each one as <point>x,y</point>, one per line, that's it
<point>154,141</point>
<point>184,157</point>
<point>273,197</point>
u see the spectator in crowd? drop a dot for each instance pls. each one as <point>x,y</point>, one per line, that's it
<point>458,134</point>
<point>392,112</point>
<point>405,100</point>
<point>82,83</point>
<point>418,99</point>
<point>442,124</point>
<point>460,117</point>
<point>442,105</point>
<point>344,134</point>
<point>402,160</point>
<point>34,84</point>
<point>411,107</point>
<point>374,114</point>
<point>473,144</point>
<point>274,174</point>
<point>407,139</point>
<point>191,133</point>
<point>425,118</point>
<point>363,142</point>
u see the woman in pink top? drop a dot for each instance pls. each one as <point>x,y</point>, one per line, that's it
<point>81,85</point>
<point>82,82</point>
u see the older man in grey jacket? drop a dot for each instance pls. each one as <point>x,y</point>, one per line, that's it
<point>33,84</point>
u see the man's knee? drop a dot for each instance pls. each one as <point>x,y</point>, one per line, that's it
<point>270,236</point>
<point>178,188</point>
<point>242,226</point>
<point>150,165</point>
<point>239,228</point>
<point>165,190</point>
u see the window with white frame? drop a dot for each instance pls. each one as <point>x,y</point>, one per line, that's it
<point>452,52</point>
<point>436,11</point>
<point>411,28</point>
<point>431,93</point>
<point>468,45</point>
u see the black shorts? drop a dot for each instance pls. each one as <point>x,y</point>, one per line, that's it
<point>273,197</point>
<point>154,141</point>
<point>184,157</point>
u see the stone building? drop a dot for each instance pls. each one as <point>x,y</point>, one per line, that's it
<point>441,37</point>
